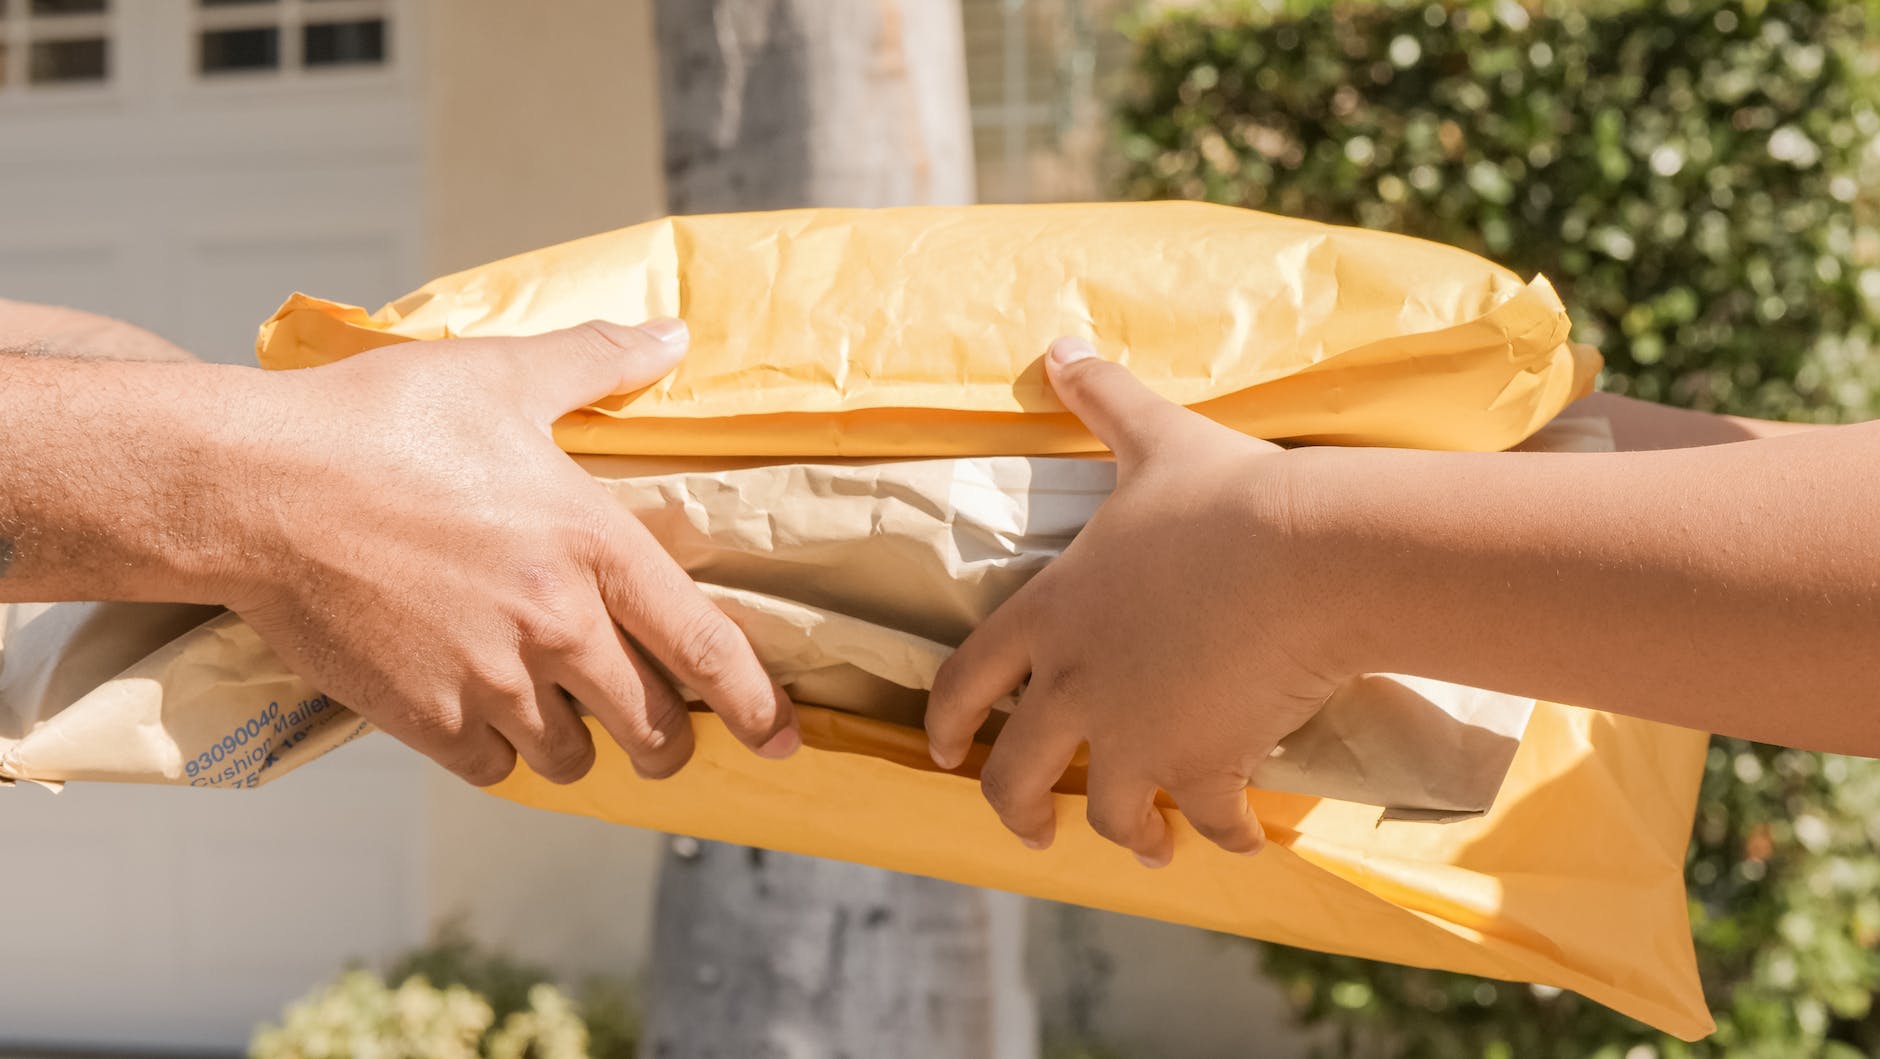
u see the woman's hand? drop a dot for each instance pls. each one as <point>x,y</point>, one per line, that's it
<point>1170,636</point>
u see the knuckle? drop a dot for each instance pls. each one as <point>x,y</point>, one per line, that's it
<point>667,744</point>
<point>999,792</point>
<point>547,618</point>
<point>589,534</point>
<point>946,684</point>
<point>632,698</point>
<point>598,633</point>
<point>502,685</point>
<point>484,768</point>
<point>599,338</point>
<point>1068,680</point>
<point>548,634</point>
<point>433,718</point>
<point>1111,825</point>
<point>1227,836</point>
<point>947,708</point>
<point>706,648</point>
<point>539,583</point>
<point>1215,804</point>
<point>616,694</point>
<point>666,718</point>
<point>1023,813</point>
<point>659,741</point>
<point>632,589</point>
<point>567,760</point>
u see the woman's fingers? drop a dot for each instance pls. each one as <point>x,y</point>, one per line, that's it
<point>1128,417</point>
<point>1220,812</point>
<point>988,666</point>
<point>1122,809</point>
<point>1033,750</point>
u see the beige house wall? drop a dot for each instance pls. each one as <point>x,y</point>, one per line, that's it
<point>566,892</point>
<point>542,125</point>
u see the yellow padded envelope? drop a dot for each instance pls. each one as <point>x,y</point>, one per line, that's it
<point>917,332</point>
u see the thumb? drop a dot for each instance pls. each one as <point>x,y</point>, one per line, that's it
<point>1124,414</point>
<point>562,370</point>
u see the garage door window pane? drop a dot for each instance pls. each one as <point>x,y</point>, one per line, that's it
<point>238,50</point>
<point>344,43</point>
<point>65,61</point>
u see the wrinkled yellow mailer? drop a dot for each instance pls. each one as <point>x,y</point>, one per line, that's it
<point>918,332</point>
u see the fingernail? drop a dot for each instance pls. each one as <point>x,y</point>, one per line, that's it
<point>1071,349</point>
<point>1036,843</point>
<point>1160,861</point>
<point>941,759</point>
<point>782,745</point>
<point>667,329</point>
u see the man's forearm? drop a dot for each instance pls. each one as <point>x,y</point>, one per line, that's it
<point>46,330</point>
<point>108,477</point>
<point>1733,588</point>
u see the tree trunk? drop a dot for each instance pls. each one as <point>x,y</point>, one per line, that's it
<point>771,104</point>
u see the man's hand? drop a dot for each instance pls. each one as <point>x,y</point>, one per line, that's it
<point>420,550</point>
<point>1168,636</point>
<point>398,526</point>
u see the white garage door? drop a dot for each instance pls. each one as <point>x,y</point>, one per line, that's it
<point>184,164</point>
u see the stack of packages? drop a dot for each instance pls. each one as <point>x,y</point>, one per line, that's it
<point>860,458</point>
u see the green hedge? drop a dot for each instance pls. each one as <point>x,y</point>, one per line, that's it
<point>1687,173</point>
<point>1693,177</point>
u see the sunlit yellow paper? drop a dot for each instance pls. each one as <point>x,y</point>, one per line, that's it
<point>917,332</point>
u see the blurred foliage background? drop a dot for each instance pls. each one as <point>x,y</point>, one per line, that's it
<point>1697,177</point>
<point>1689,173</point>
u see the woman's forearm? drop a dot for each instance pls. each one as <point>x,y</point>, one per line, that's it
<point>1733,588</point>
<point>1641,425</point>
<point>1235,585</point>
